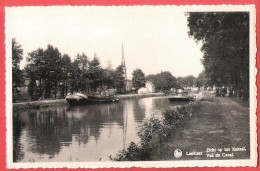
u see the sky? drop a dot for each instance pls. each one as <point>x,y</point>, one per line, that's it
<point>155,38</point>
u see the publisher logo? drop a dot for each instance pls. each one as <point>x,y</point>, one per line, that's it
<point>177,153</point>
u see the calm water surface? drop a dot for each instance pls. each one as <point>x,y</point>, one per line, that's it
<point>85,133</point>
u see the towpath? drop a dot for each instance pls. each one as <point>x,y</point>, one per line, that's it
<point>221,123</point>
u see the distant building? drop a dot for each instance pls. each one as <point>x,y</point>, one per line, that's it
<point>142,90</point>
<point>149,88</point>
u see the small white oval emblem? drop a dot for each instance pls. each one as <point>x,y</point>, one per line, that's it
<point>177,153</point>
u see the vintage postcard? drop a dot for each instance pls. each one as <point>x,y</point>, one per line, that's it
<point>131,86</point>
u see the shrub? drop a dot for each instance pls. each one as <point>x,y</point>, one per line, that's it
<point>149,130</point>
<point>172,117</point>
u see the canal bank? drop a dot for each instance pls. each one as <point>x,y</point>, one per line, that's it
<point>63,102</point>
<point>221,123</point>
<point>213,122</point>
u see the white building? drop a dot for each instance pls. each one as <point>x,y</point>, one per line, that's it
<point>149,88</point>
<point>142,90</point>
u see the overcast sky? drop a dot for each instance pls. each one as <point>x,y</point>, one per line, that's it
<point>154,38</point>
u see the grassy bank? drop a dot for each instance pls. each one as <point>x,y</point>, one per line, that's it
<point>63,102</point>
<point>244,103</point>
<point>155,132</point>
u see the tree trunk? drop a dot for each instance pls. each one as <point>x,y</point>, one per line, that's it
<point>44,86</point>
<point>40,87</point>
<point>66,88</point>
<point>55,94</point>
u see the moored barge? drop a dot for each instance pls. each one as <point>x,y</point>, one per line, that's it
<point>82,99</point>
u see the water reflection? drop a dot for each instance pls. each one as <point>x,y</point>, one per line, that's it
<point>85,133</point>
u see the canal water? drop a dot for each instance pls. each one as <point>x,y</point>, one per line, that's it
<point>85,133</point>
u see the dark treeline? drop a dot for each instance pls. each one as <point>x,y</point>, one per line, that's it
<point>52,75</point>
<point>225,38</point>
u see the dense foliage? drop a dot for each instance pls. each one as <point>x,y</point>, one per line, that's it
<point>120,79</point>
<point>202,80</point>
<point>138,79</point>
<point>186,82</point>
<point>17,78</point>
<point>225,38</point>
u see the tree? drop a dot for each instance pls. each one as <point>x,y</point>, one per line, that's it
<point>17,77</point>
<point>82,69</point>
<point>32,71</point>
<point>225,38</point>
<point>95,73</point>
<point>83,61</point>
<point>36,70</point>
<point>45,72</point>
<point>187,81</point>
<point>202,80</point>
<point>75,77</point>
<point>138,79</point>
<point>109,76</point>
<point>163,81</point>
<point>66,70</point>
<point>53,71</point>
<point>119,78</point>
<point>168,81</point>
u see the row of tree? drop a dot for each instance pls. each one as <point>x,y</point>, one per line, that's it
<point>52,74</point>
<point>225,38</point>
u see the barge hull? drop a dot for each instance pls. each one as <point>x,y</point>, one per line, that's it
<point>76,102</point>
<point>180,99</point>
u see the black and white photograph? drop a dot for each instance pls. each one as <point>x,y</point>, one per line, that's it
<point>131,86</point>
